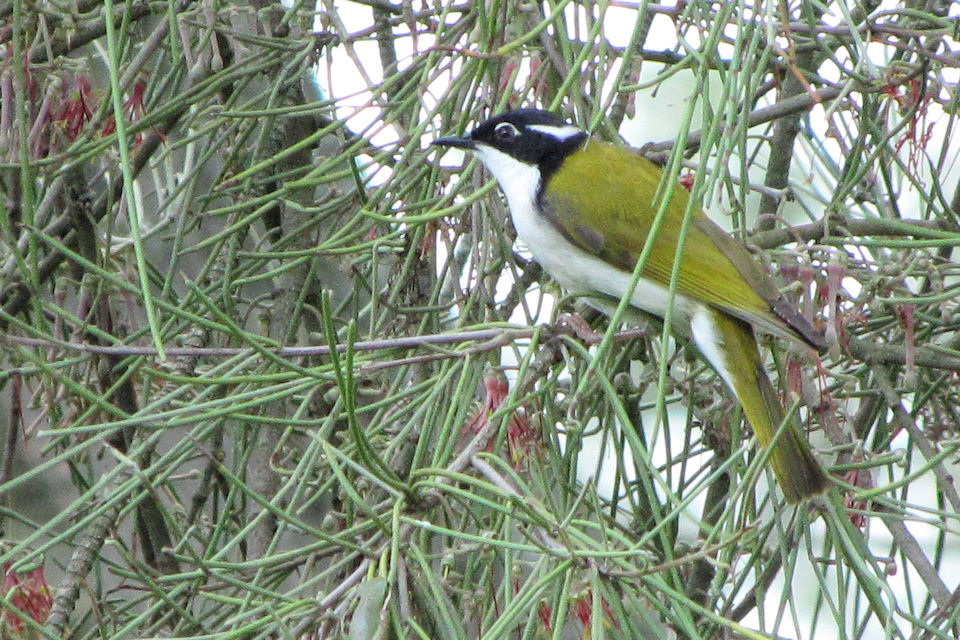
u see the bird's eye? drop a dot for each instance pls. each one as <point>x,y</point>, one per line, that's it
<point>505,132</point>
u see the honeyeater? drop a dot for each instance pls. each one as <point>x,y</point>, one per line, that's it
<point>585,209</point>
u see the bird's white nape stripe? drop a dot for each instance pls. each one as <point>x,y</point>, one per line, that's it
<point>560,133</point>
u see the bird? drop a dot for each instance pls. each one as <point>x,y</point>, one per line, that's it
<point>584,208</point>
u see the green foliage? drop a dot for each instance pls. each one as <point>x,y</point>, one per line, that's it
<point>272,369</point>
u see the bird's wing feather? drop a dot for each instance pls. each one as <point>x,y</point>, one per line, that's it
<point>622,184</point>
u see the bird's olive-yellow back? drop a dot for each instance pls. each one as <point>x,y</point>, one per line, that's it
<point>621,186</point>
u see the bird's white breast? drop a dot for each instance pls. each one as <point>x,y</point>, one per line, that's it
<point>573,268</point>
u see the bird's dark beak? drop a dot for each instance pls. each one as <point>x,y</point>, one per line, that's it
<point>453,141</point>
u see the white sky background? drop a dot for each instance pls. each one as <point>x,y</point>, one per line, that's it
<point>342,79</point>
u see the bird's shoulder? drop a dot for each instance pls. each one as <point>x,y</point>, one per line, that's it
<point>619,188</point>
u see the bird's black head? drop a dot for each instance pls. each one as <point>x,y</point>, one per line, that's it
<point>530,136</point>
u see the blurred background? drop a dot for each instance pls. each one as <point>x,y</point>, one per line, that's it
<point>272,367</point>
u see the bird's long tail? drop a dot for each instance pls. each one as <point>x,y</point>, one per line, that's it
<point>798,472</point>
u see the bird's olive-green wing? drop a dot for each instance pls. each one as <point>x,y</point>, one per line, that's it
<point>716,269</point>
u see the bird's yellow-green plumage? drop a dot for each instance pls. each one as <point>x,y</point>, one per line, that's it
<point>715,270</point>
<point>585,209</point>
<point>620,200</point>
<point>798,472</point>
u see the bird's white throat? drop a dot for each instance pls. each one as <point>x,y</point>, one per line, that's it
<point>519,181</point>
